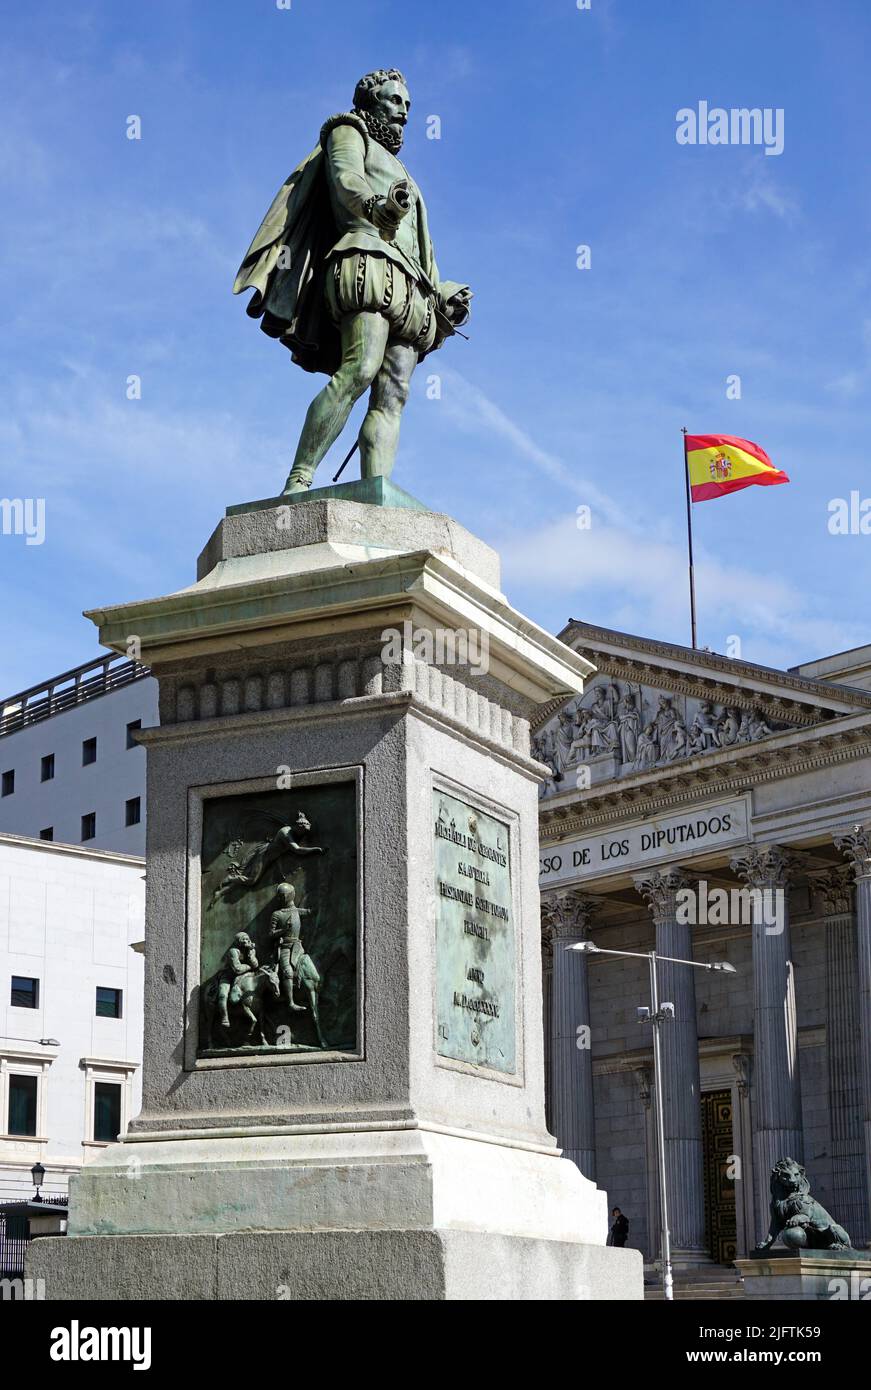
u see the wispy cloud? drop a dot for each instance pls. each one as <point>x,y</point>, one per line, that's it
<point>472,410</point>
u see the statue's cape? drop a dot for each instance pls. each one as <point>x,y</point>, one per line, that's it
<point>297,231</point>
<point>286,263</point>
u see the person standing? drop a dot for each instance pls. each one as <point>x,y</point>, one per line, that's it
<point>619,1228</point>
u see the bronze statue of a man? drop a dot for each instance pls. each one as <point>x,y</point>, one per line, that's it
<point>345,276</point>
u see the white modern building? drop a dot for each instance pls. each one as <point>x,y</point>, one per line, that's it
<point>70,767</point>
<point>71,983</point>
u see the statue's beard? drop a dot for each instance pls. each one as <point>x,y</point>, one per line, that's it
<point>385,134</point>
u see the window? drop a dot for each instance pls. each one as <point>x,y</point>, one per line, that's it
<point>25,992</point>
<point>131,730</point>
<point>89,826</point>
<point>8,783</point>
<point>89,751</point>
<point>108,1002</point>
<point>108,1099</point>
<point>132,811</point>
<point>46,768</point>
<point>22,1105</point>
<point>47,833</point>
<point>107,1111</point>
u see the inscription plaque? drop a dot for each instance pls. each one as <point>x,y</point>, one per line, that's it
<point>475,952</point>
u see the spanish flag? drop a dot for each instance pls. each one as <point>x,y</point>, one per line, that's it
<point>721,463</point>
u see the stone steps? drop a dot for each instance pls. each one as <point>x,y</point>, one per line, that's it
<point>719,1283</point>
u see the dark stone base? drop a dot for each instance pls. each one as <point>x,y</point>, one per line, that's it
<point>295,1266</point>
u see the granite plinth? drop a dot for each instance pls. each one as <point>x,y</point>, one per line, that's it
<point>807,1274</point>
<point>334,1266</point>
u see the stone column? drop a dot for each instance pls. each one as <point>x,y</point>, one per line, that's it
<point>849,1201</point>
<point>682,1117</point>
<point>644,1082</point>
<point>546,1013</point>
<point>742,1138</point>
<point>777,1125</point>
<point>856,844</point>
<point>568,915</point>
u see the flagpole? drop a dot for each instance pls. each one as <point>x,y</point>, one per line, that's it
<point>686,464</point>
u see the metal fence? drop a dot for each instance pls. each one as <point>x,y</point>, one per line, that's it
<point>67,690</point>
<point>15,1236</point>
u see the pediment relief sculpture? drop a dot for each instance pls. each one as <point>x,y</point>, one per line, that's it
<point>619,728</point>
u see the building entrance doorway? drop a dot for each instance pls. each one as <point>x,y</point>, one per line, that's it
<point>719,1149</point>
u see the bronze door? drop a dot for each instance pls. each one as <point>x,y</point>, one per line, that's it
<point>718,1148</point>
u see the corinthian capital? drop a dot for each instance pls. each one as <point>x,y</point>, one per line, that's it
<point>661,890</point>
<point>764,866</point>
<point>856,844</point>
<point>568,914</point>
<point>834,889</point>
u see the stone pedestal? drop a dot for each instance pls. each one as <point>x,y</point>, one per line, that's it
<point>348,678</point>
<point>833,1275</point>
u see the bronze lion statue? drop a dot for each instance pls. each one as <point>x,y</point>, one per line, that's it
<point>796,1216</point>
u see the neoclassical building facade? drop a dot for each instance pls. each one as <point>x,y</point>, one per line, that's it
<point>720,813</point>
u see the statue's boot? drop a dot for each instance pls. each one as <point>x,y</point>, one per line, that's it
<point>299,480</point>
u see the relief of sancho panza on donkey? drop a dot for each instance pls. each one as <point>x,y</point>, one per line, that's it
<point>278,929</point>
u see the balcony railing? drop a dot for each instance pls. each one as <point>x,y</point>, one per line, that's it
<point>72,688</point>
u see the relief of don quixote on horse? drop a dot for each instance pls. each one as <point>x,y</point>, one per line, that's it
<point>244,994</point>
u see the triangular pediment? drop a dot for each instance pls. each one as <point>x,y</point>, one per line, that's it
<point>656,708</point>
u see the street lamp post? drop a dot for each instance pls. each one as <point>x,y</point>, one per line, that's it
<point>655,1016</point>
<point>37,1173</point>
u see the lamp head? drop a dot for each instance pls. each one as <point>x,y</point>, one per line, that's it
<point>37,1174</point>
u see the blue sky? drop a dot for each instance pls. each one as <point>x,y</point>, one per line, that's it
<point>558,129</point>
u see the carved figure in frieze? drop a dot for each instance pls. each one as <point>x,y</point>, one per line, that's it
<point>678,742</point>
<point>565,732</point>
<point>604,733</point>
<point>663,723</point>
<point>744,735</point>
<point>647,755</point>
<point>543,749</point>
<point>582,738</point>
<point>629,723</point>
<point>729,728</point>
<point>703,730</point>
<point>288,839</point>
<point>758,726</point>
<point>612,698</point>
